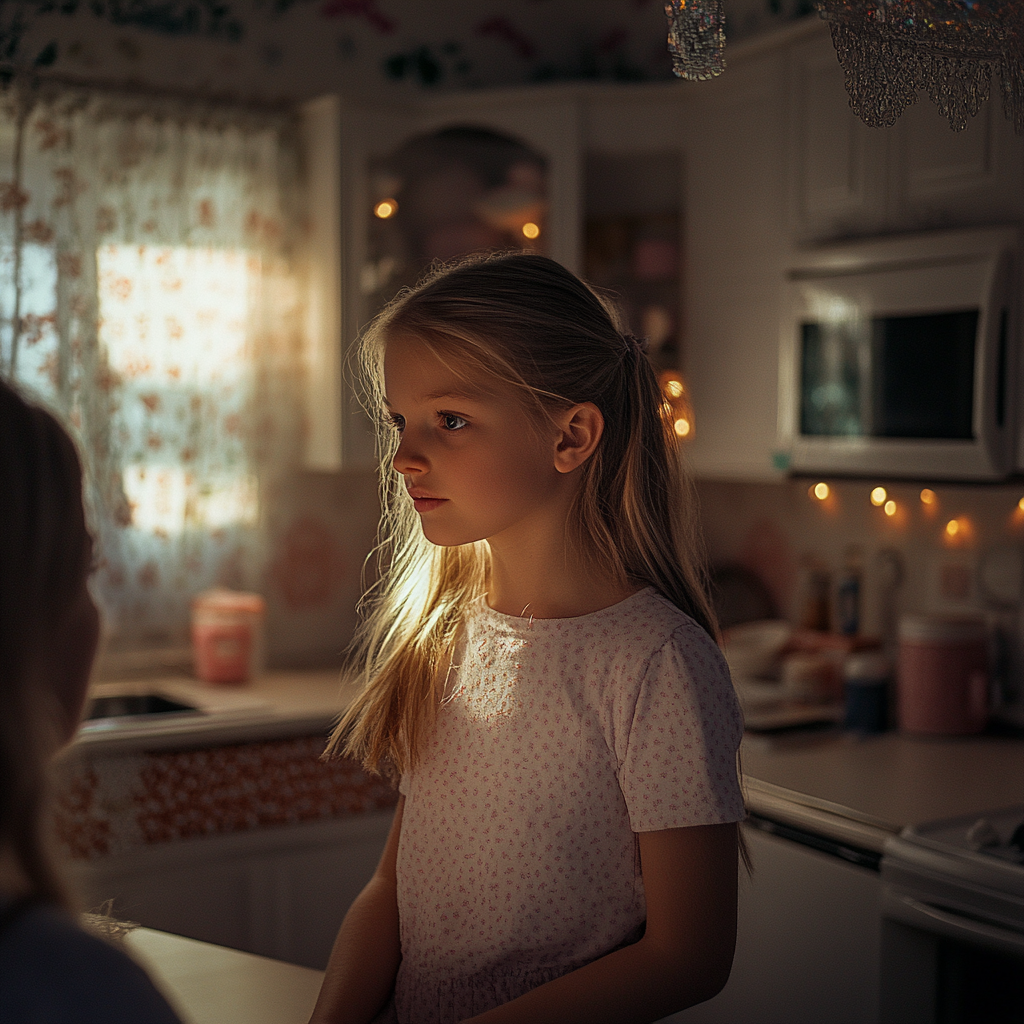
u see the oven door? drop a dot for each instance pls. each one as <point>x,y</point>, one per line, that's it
<point>952,952</point>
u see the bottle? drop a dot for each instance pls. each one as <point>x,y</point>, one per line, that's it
<point>848,592</point>
<point>816,612</point>
<point>866,682</point>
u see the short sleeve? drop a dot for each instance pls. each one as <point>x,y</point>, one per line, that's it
<point>404,784</point>
<point>679,738</point>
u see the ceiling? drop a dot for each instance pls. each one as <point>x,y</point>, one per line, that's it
<point>295,48</point>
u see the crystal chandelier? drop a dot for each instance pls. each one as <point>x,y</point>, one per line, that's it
<point>696,38</point>
<point>892,49</point>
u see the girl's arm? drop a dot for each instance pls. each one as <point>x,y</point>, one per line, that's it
<point>685,954</point>
<point>364,961</point>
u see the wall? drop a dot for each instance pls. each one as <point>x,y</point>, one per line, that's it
<point>322,524</point>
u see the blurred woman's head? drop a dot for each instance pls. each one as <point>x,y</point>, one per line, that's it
<point>49,626</point>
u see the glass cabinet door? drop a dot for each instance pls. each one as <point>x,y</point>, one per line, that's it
<point>446,194</point>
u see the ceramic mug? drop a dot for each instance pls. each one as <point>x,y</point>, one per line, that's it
<point>943,678</point>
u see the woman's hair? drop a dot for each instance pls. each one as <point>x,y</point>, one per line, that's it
<point>43,552</point>
<point>525,321</point>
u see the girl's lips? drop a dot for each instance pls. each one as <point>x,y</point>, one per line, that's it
<point>428,504</point>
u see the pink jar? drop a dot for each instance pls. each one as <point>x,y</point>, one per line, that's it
<point>227,635</point>
<point>943,675</point>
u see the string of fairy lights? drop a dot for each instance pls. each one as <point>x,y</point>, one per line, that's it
<point>956,529</point>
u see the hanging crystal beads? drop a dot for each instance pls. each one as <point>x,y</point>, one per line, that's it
<point>892,49</point>
<point>696,38</point>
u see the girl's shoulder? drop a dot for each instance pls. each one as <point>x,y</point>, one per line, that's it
<point>630,632</point>
<point>646,621</point>
<point>670,642</point>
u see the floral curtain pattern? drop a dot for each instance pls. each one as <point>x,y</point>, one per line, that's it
<point>150,292</point>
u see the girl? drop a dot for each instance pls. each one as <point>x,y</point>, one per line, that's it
<point>541,673</point>
<point>50,970</point>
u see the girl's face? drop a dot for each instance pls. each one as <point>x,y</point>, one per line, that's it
<point>477,465</point>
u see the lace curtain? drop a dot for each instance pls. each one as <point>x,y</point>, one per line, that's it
<point>150,292</point>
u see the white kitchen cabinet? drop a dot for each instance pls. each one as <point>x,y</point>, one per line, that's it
<point>837,165</point>
<point>547,121</point>
<point>772,158</point>
<point>737,247</point>
<point>848,179</point>
<point>279,892</point>
<point>808,944</point>
<point>943,178</point>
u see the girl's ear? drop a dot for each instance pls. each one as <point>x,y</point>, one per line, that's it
<point>581,430</point>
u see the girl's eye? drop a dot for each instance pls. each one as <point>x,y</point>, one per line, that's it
<point>396,421</point>
<point>451,422</point>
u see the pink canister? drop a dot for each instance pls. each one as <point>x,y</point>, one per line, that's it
<point>943,675</point>
<point>227,635</point>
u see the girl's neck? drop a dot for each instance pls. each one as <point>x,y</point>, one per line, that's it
<point>545,581</point>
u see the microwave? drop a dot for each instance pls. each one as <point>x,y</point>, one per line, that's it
<point>899,357</point>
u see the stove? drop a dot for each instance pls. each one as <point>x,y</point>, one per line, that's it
<point>953,920</point>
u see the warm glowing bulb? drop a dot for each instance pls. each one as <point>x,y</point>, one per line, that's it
<point>952,527</point>
<point>682,427</point>
<point>675,389</point>
<point>889,507</point>
<point>1020,504</point>
<point>385,208</point>
<point>927,496</point>
<point>878,496</point>
<point>530,230</point>
<point>820,491</point>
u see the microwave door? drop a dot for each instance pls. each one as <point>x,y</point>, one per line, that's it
<point>923,384</point>
<point>836,397</point>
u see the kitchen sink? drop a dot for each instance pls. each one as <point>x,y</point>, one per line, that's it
<point>137,705</point>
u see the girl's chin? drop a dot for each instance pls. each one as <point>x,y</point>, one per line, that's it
<point>448,538</point>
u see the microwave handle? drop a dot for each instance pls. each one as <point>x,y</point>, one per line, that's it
<point>907,910</point>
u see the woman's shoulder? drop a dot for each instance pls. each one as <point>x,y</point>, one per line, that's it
<point>52,970</point>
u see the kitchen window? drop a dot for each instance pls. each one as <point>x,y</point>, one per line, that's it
<point>151,293</point>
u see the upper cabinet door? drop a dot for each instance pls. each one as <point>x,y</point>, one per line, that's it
<point>548,122</point>
<point>837,164</point>
<point>436,178</point>
<point>847,179</point>
<point>946,178</point>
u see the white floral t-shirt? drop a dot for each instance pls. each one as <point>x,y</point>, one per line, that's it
<point>561,738</point>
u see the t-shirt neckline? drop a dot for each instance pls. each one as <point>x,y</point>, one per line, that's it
<point>484,610</point>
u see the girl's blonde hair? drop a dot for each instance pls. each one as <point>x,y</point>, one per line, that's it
<point>525,321</point>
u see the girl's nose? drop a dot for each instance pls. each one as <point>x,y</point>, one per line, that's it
<point>407,459</point>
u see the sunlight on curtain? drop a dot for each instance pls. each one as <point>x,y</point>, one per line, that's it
<point>150,293</point>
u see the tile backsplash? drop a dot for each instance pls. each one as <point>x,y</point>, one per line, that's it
<point>959,552</point>
<point>323,527</point>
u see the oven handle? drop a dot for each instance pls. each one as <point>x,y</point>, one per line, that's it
<point>928,918</point>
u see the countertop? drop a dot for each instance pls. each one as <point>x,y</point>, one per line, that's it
<point>274,706</point>
<point>862,790</point>
<point>210,984</point>
<point>855,790</point>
